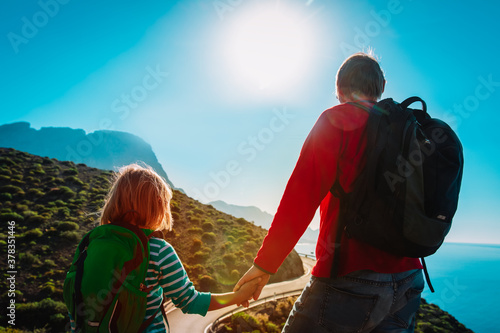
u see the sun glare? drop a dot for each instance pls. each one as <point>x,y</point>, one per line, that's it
<point>269,48</point>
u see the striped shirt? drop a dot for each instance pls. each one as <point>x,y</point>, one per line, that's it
<point>168,278</point>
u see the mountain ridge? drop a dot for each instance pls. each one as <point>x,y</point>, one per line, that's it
<point>259,217</point>
<point>102,149</point>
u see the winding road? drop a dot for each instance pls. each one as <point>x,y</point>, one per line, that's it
<point>192,323</point>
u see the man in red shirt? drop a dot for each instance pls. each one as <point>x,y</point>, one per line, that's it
<point>375,291</point>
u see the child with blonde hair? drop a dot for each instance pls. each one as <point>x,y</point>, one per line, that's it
<point>141,198</point>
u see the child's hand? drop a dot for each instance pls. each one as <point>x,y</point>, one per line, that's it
<point>246,291</point>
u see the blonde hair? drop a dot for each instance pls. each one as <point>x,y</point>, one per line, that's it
<point>360,75</point>
<point>138,196</point>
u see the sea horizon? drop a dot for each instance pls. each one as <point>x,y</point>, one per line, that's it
<point>465,277</point>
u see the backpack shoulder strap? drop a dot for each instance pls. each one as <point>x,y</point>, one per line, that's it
<point>146,323</point>
<point>77,296</point>
<point>157,234</point>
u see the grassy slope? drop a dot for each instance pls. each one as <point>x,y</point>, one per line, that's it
<point>55,203</point>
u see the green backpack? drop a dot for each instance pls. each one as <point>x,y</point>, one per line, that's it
<point>105,289</point>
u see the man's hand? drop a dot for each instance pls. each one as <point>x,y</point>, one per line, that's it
<point>252,274</point>
<point>245,293</point>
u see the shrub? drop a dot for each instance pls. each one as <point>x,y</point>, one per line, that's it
<point>208,238</point>
<point>47,161</point>
<point>243,239</point>
<point>284,307</point>
<point>29,259</point>
<point>196,270</point>
<point>73,180</point>
<point>272,328</point>
<point>60,203</point>
<point>4,178</point>
<point>33,233</point>
<point>207,283</point>
<point>5,196</point>
<point>175,216</point>
<point>244,318</point>
<point>235,275</point>
<point>58,180</point>
<point>5,217</point>
<point>71,236</point>
<point>222,221</point>
<point>35,193</point>
<point>198,211</point>
<point>207,226</point>
<point>201,256</point>
<point>229,259</point>
<point>39,314</point>
<point>11,189</point>
<point>70,172</point>
<point>196,245</point>
<point>7,161</point>
<point>67,226</point>
<point>39,171</point>
<point>49,263</point>
<point>248,257</point>
<point>21,207</point>
<point>195,230</point>
<point>250,246</point>
<point>5,171</point>
<point>66,192</point>
<point>36,219</point>
<point>241,220</point>
<point>174,206</point>
<point>63,212</point>
<point>194,220</point>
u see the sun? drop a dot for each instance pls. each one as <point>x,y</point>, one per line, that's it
<point>269,47</point>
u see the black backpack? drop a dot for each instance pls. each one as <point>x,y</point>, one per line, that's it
<point>404,199</point>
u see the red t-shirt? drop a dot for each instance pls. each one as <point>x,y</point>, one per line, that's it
<point>334,147</point>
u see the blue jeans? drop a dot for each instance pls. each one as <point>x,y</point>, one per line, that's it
<point>362,301</point>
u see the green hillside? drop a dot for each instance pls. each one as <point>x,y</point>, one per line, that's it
<point>54,203</point>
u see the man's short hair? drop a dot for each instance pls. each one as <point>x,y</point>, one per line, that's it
<point>360,75</point>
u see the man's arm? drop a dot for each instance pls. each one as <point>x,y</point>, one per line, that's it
<point>312,178</point>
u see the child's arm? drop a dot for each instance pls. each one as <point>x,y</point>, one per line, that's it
<point>241,296</point>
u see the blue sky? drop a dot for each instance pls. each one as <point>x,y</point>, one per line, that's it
<point>226,91</point>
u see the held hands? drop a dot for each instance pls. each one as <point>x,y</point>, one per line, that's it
<point>252,283</point>
<point>241,296</point>
<point>245,293</point>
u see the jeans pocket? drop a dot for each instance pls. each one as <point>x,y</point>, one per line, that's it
<point>345,312</point>
<point>406,314</point>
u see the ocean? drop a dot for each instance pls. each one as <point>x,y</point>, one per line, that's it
<point>466,279</point>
